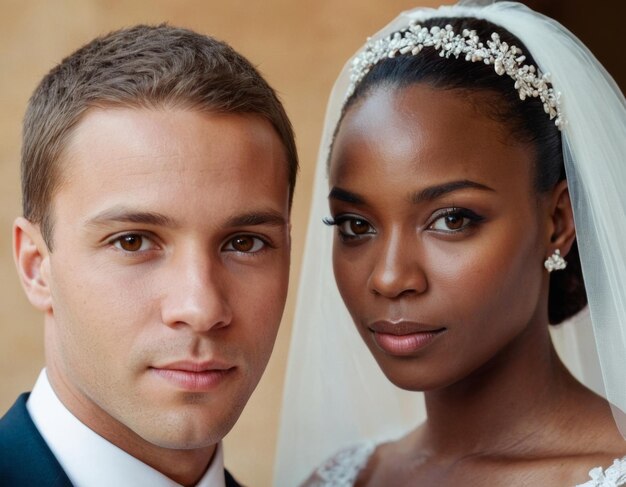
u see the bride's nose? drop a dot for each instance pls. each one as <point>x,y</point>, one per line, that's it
<point>397,270</point>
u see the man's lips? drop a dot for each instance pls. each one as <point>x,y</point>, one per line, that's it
<point>195,366</point>
<point>194,376</point>
<point>403,338</point>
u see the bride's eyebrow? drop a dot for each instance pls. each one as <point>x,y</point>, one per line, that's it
<point>434,192</point>
<point>346,196</point>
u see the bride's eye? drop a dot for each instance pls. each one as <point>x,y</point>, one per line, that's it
<point>351,227</point>
<point>355,227</point>
<point>454,220</point>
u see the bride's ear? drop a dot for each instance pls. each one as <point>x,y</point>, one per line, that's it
<point>561,229</point>
<point>31,256</point>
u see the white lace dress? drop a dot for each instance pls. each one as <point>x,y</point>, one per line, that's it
<point>342,469</point>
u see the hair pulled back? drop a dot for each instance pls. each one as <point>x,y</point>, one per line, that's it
<point>526,121</point>
<point>138,67</point>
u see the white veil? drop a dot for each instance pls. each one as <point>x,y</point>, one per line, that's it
<point>335,394</point>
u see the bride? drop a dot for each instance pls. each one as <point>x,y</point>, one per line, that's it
<point>471,153</point>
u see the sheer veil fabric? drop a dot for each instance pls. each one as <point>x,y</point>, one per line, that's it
<point>335,394</point>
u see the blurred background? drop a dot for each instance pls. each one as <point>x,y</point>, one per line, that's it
<point>300,48</point>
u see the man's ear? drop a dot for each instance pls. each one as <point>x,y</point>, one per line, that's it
<point>561,230</point>
<point>33,264</point>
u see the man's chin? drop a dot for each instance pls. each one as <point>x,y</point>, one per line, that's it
<point>188,435</point>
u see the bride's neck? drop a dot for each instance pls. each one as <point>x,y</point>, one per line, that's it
<point>503,405</point>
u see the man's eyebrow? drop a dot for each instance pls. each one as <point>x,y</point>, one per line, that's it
<point>272,218</point>
<point>125,215</point>
<point>344,195</point>
<point>434,192</point>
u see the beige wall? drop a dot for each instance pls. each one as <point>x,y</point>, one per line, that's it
<point>300,48</point>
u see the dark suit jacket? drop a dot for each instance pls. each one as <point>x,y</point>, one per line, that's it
<point>26,460</point>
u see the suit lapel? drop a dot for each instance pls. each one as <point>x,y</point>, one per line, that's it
<point>230,480</point>
<point>25,458</point>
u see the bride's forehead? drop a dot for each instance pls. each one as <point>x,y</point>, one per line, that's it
<point>421,126</point>
<point>388,113</point>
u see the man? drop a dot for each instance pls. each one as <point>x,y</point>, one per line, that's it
<point>158,169</point>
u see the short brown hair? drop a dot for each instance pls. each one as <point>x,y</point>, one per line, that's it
<point>142,66</point>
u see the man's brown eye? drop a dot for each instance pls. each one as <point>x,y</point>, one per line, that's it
<point>246,244</point>
<point>131,243</point>
<point>243,244</point>
<point>359,227</point>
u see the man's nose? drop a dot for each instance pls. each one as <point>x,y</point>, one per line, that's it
<point>196,293</point>
<point>398,270</point>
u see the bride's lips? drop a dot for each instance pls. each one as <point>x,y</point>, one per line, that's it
<point>403,338</point>
<point>194,376</point>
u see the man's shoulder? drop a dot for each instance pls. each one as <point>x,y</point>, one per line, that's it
<point>13,426</point>
<point>25,459</point>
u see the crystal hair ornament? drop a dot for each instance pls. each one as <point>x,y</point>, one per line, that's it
<point>507,59</point>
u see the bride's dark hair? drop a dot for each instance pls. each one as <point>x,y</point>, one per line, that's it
<point>526,120</point>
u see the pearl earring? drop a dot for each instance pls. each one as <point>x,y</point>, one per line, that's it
<point>555,262</point>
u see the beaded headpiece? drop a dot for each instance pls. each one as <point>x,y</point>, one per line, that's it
<point>505,58</point>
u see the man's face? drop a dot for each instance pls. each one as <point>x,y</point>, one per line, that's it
<point>169,270</point>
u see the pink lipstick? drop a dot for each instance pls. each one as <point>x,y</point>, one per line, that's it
<point>403,338</point>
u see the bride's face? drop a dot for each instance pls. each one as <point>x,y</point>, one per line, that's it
<point>440,239</point>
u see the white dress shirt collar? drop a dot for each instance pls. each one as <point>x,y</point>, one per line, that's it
<point>91,461</point>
